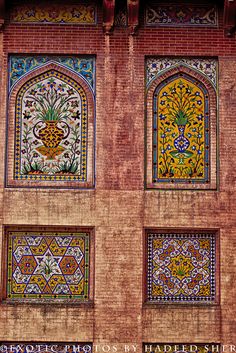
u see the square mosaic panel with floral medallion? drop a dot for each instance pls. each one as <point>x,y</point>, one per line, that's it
<point>181,267</point>
<point>48,265</point>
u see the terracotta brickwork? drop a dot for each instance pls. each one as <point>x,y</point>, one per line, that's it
<point>119,209</point>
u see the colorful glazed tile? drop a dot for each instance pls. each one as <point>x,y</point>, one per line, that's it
<point>196,15</point>
<point>41,347</point>
<point>20,65</point>
<point>157,66</point>
<point>181,267</point>
<point>48,266</point>
<point>53,14</point>
<point>181,347</point>
<point>181,131</point>
<point>181,122</point>
<point>51,120</point>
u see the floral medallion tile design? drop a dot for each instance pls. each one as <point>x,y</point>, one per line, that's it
<point>192,15</point>
<point>52,14</point>
<point>48,266</point>
<point>181,268</point>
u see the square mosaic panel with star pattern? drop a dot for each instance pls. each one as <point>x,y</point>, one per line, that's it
<point>48,266</point>
<point>181,267</point>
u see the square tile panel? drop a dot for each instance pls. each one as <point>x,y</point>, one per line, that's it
<point>181,267</point>
<point>48,266</point>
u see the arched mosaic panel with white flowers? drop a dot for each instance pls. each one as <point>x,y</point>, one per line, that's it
<point>51,117</point>
<point>51,122</point>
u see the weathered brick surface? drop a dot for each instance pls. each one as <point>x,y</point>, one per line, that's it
<point>119,208</point>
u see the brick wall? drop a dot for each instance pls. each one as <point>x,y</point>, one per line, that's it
<point>119,208</point>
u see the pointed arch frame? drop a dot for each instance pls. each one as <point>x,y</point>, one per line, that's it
<point>149,127</point>
<point>88,181</point>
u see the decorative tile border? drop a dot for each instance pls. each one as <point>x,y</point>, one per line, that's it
<point>181,267</point>
<point>20,65</point>
<point>179,15</point>
<point>54,14</point>
<point>158,66</point>
<point>41,347</point>
<point>48,266</point>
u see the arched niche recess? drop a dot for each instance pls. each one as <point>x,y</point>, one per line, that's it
<point>181,127</point>
<point>51,130</point>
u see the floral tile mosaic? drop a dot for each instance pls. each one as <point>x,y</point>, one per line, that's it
<point>157,66</point>
<point>181,131</point>
<point>51,125</point>
<point>52,118</point>
<point>181,122</point>
<point>179,15</point>
<point>47,266</point>
<point>41,347</point>
<point>181,267</point>
<point>181,347</point>
<point>20,65</point>
<point>53,14</point>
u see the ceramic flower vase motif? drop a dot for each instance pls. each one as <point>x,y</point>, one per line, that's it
<point>51,136</point>
<point>181,144</point>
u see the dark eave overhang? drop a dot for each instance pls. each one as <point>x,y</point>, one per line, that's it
<point>229,17</point>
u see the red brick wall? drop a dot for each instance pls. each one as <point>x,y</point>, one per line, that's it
<point>119,208</point>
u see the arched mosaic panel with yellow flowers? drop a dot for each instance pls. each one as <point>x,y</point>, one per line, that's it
<point>181,130</point>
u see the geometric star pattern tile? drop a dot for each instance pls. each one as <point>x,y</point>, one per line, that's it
<point>48,265</point>
<point>181,267</point>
